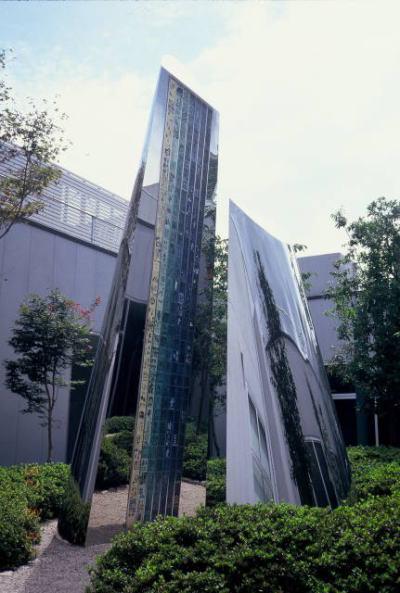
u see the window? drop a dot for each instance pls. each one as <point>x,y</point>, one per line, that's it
<point>324,492</point>
<point>259,449</point>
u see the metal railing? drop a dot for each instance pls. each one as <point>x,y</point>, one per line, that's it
<point>78,208</point>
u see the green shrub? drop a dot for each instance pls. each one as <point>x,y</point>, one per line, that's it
<point>123,440</point>
<point>74,515</point>
<point>216,482</point>
<point>19,528</point>
<point>46,487</point>
<point>119,424</point>
<point>27,493</point>
<point>194,453</point>
<point>375,472</point>
<point>114,465</point>
<point>269,548</point>
<point>266,548</point>
<point>371,455</point>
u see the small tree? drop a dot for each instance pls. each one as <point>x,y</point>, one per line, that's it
<point>29,141</point>
<point>209,359</point>
<point>51,333</point>
<point>366,296</point>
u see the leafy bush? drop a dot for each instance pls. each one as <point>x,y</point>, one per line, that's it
<point>194,453</point>
<point>269,548</point>
<point>74,515</point>
<point>115,452</point>
<point>114,465</point>
<point>216,482</point>
<point>19,527</point>
<point>265,547</point>
<point>123,440</point>
<point>375,471</point>
<point>27,493</point>
<point>119,424</point>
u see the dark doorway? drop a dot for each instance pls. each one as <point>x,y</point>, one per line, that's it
<point>125,383</point>
<point>77,397</point>
<point>346,411</point>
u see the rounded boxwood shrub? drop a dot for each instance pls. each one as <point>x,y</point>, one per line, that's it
<point>123,440</point>
<point>194,453</point>
<point>114,465</point>
<point>375,471</point>
<point>119,424</point>
<point>27,493</point>
<point>19,528</point>
<point>216,481</point>
<point>74,515</point>
<point>267,548</point>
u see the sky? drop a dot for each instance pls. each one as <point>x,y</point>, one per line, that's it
<point>308,95</point>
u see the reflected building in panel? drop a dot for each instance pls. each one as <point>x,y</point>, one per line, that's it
<point>283,439</point>
<point>143,365</point>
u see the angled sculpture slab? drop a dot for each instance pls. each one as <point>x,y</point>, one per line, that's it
<point>284,442</point>
<point>174,196</point>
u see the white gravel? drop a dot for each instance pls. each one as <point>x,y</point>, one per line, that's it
<point>62,568</point>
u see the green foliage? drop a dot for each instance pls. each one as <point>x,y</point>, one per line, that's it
<point>119,424</point>
<point>114,464</point>
<point>115,452</point>
<point>268,548</point>
<point>194,453</point>
<point>74,515</point>
<point>36,138</point>
<point>366,296</point>
<point>209,346</point>
<point>216,482</point>
<point>123,440</point>
<point>50,334</point>
<point>19,528</point>
<point>28,493</point>
<point>375,472</point>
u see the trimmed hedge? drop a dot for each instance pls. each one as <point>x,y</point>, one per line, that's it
<point>216,482</point>
<point>119,424</point>
<point>74,515</point>
<point>195,453</point>
<point>28,493</point>
<point>114,464</point>
<point>269,548</point>
<point>375,471</point>
<point>115,452</point>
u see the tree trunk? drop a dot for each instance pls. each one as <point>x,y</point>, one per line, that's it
<point>203,398</point>
<point>212,437</point>
<point>50,435</point>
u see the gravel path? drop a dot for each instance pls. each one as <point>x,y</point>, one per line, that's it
<point>62,568</point>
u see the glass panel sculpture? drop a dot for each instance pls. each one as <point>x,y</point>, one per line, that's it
<point>283,438</point>
<point>160,272</point>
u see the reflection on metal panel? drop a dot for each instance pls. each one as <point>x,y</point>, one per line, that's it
<point>272,344</point>
<point>186,199</point>
<point>176,184</point>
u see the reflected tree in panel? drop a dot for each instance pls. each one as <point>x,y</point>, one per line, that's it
<point>273,357</point>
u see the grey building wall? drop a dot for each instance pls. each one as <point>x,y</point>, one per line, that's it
<point>320,267</point>
<point>34,259</point>
<point>71,245</point>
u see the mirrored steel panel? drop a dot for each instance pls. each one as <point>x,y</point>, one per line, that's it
<point>173,209</point>
<point>185,215</point>
<point>283,438</point>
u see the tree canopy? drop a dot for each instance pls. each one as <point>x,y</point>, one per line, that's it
<point>366,296</point>
<point>30,140</point>
<point>50,334</point>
